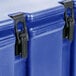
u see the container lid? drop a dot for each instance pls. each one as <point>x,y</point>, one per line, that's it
<point>8,6</point>
<point>41,16</point>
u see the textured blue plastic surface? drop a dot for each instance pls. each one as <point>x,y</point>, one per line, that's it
<point>45,55</point>
<point>20,67</point>
<point>7,60</point>
<point>66,57</point>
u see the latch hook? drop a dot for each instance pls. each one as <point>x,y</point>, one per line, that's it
<point>21,35</point>
<point>69,19</point>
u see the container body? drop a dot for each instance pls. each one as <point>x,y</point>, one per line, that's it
<point>45,54</point>
<point>66,57</point>
<point>7,60</point>
<point>20,67</point>
<point>11,65</point>
<point>45,45</point>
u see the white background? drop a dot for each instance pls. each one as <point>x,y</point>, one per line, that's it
<point>13,6</point>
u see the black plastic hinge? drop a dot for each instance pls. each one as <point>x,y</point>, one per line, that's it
<point>21,35</point>
<point>69,19</point>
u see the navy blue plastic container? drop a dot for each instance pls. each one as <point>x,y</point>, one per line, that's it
<point>45,45</point>
<point>48,52</point>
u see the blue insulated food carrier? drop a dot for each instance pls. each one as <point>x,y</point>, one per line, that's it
<point>31,39</point>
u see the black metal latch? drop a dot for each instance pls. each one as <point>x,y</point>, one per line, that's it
<point>69,19</point>
<point>21,35</point>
